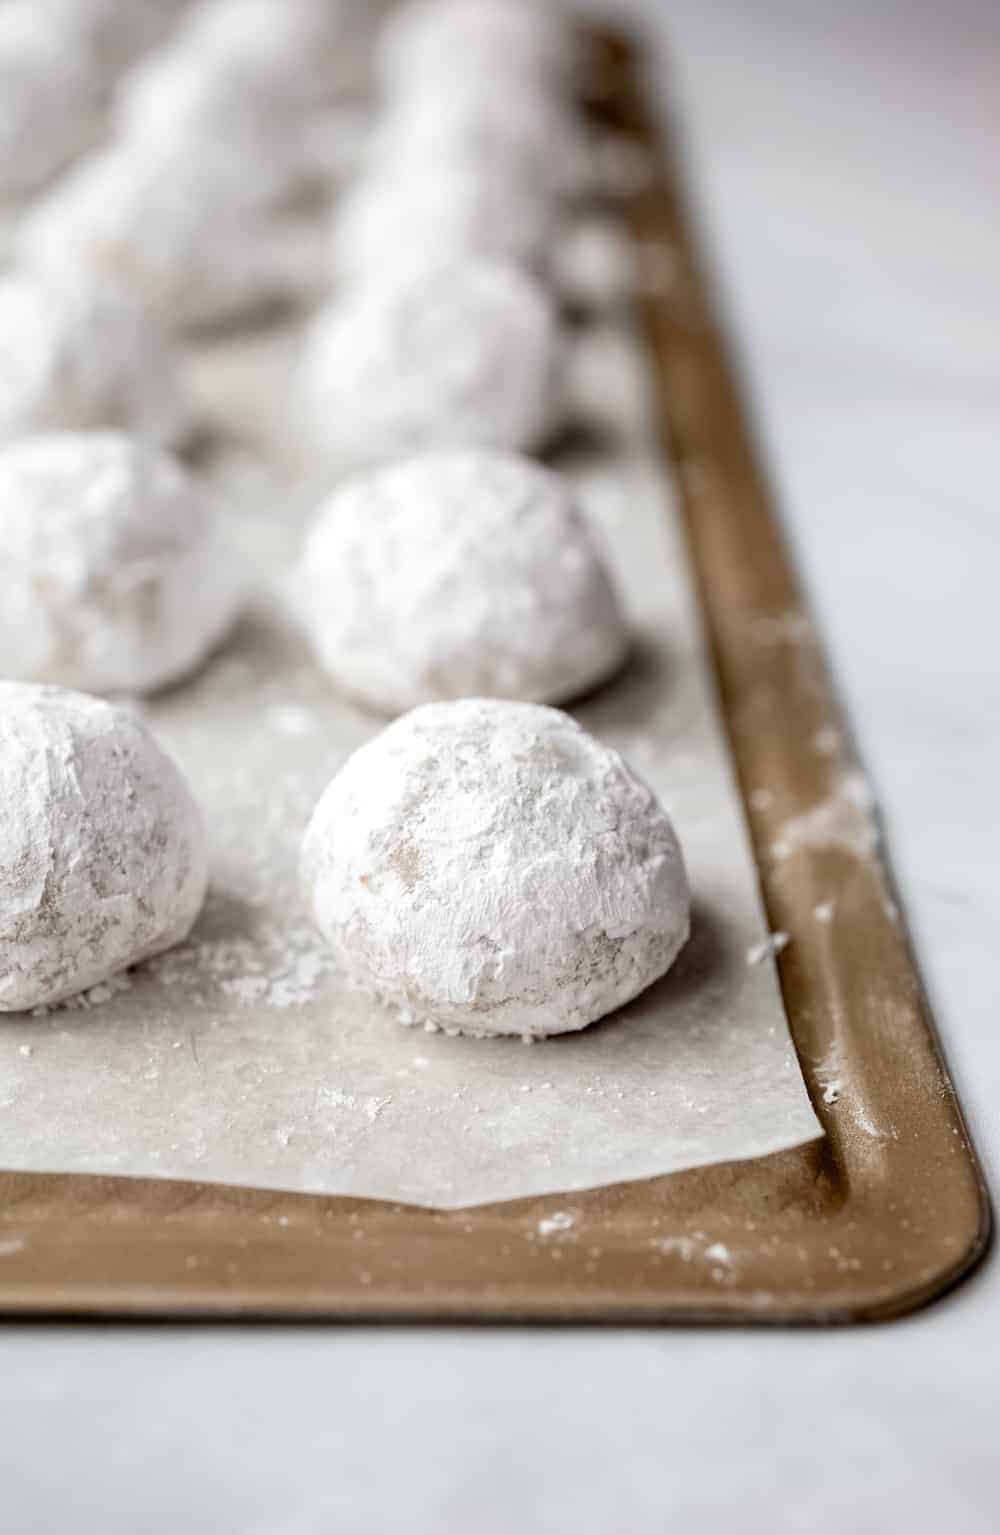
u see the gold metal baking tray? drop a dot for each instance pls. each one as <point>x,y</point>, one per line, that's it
<point>884,1214</point>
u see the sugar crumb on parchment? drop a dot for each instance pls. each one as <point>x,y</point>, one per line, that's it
<point>774,943</point>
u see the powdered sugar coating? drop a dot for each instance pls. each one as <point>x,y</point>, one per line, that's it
<point>428,44</point>
<point>310,50</point>
<point>442,209</point>
<point>102,850</point>
<point>455,354</point>
<point>183,93</point>
<point>195,234</point>
<point>114,31</point>
<point>490,868</point>
<point>457,574</point>
<point>48,97</point>
<point>536,138</point>
<point>246,102</point>
<point>116,573</point>
<point>84,353</point>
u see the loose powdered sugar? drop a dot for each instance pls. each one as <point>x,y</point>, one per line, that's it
<point>845,821</point>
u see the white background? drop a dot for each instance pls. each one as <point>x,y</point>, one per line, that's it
<point>847,165</point>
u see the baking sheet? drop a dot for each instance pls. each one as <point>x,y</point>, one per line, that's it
<point>880,1217</point>
<point>239,1058</point>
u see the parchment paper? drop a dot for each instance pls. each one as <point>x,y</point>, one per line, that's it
<point>239,1058</point>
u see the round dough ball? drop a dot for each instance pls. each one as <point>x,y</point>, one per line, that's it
<point>189,229</point>
<point>48,98</point>
<point>84,354</point>
<point>429,44</point>
<point>491,868</point>
<point>459,574</point>
<point>456,354</point>
<point>116,576</point>
<point>445,210</point>
<point>102,848</point>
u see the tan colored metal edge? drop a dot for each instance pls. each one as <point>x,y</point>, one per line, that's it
<point>885,1214</point>
<point>913,1200</point>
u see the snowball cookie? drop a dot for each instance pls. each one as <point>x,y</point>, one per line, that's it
<point>458,574</point>
<point>182,91</point>
<point>115,573</point>
<point>427,44</point>
<point>595,266</point>
<point>182,101</point>
<point>446,209</point>
<point>48,98</point>
<point>491,868</point>
<point>314,49</point>
<point>540,141</point>
<point>84,353</point>
<point>115,31</point>
<point>197,235</point>
<point>102,849</point>
<point>463,353</point>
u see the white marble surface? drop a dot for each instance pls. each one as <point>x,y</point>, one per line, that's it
<point>845,154</point>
